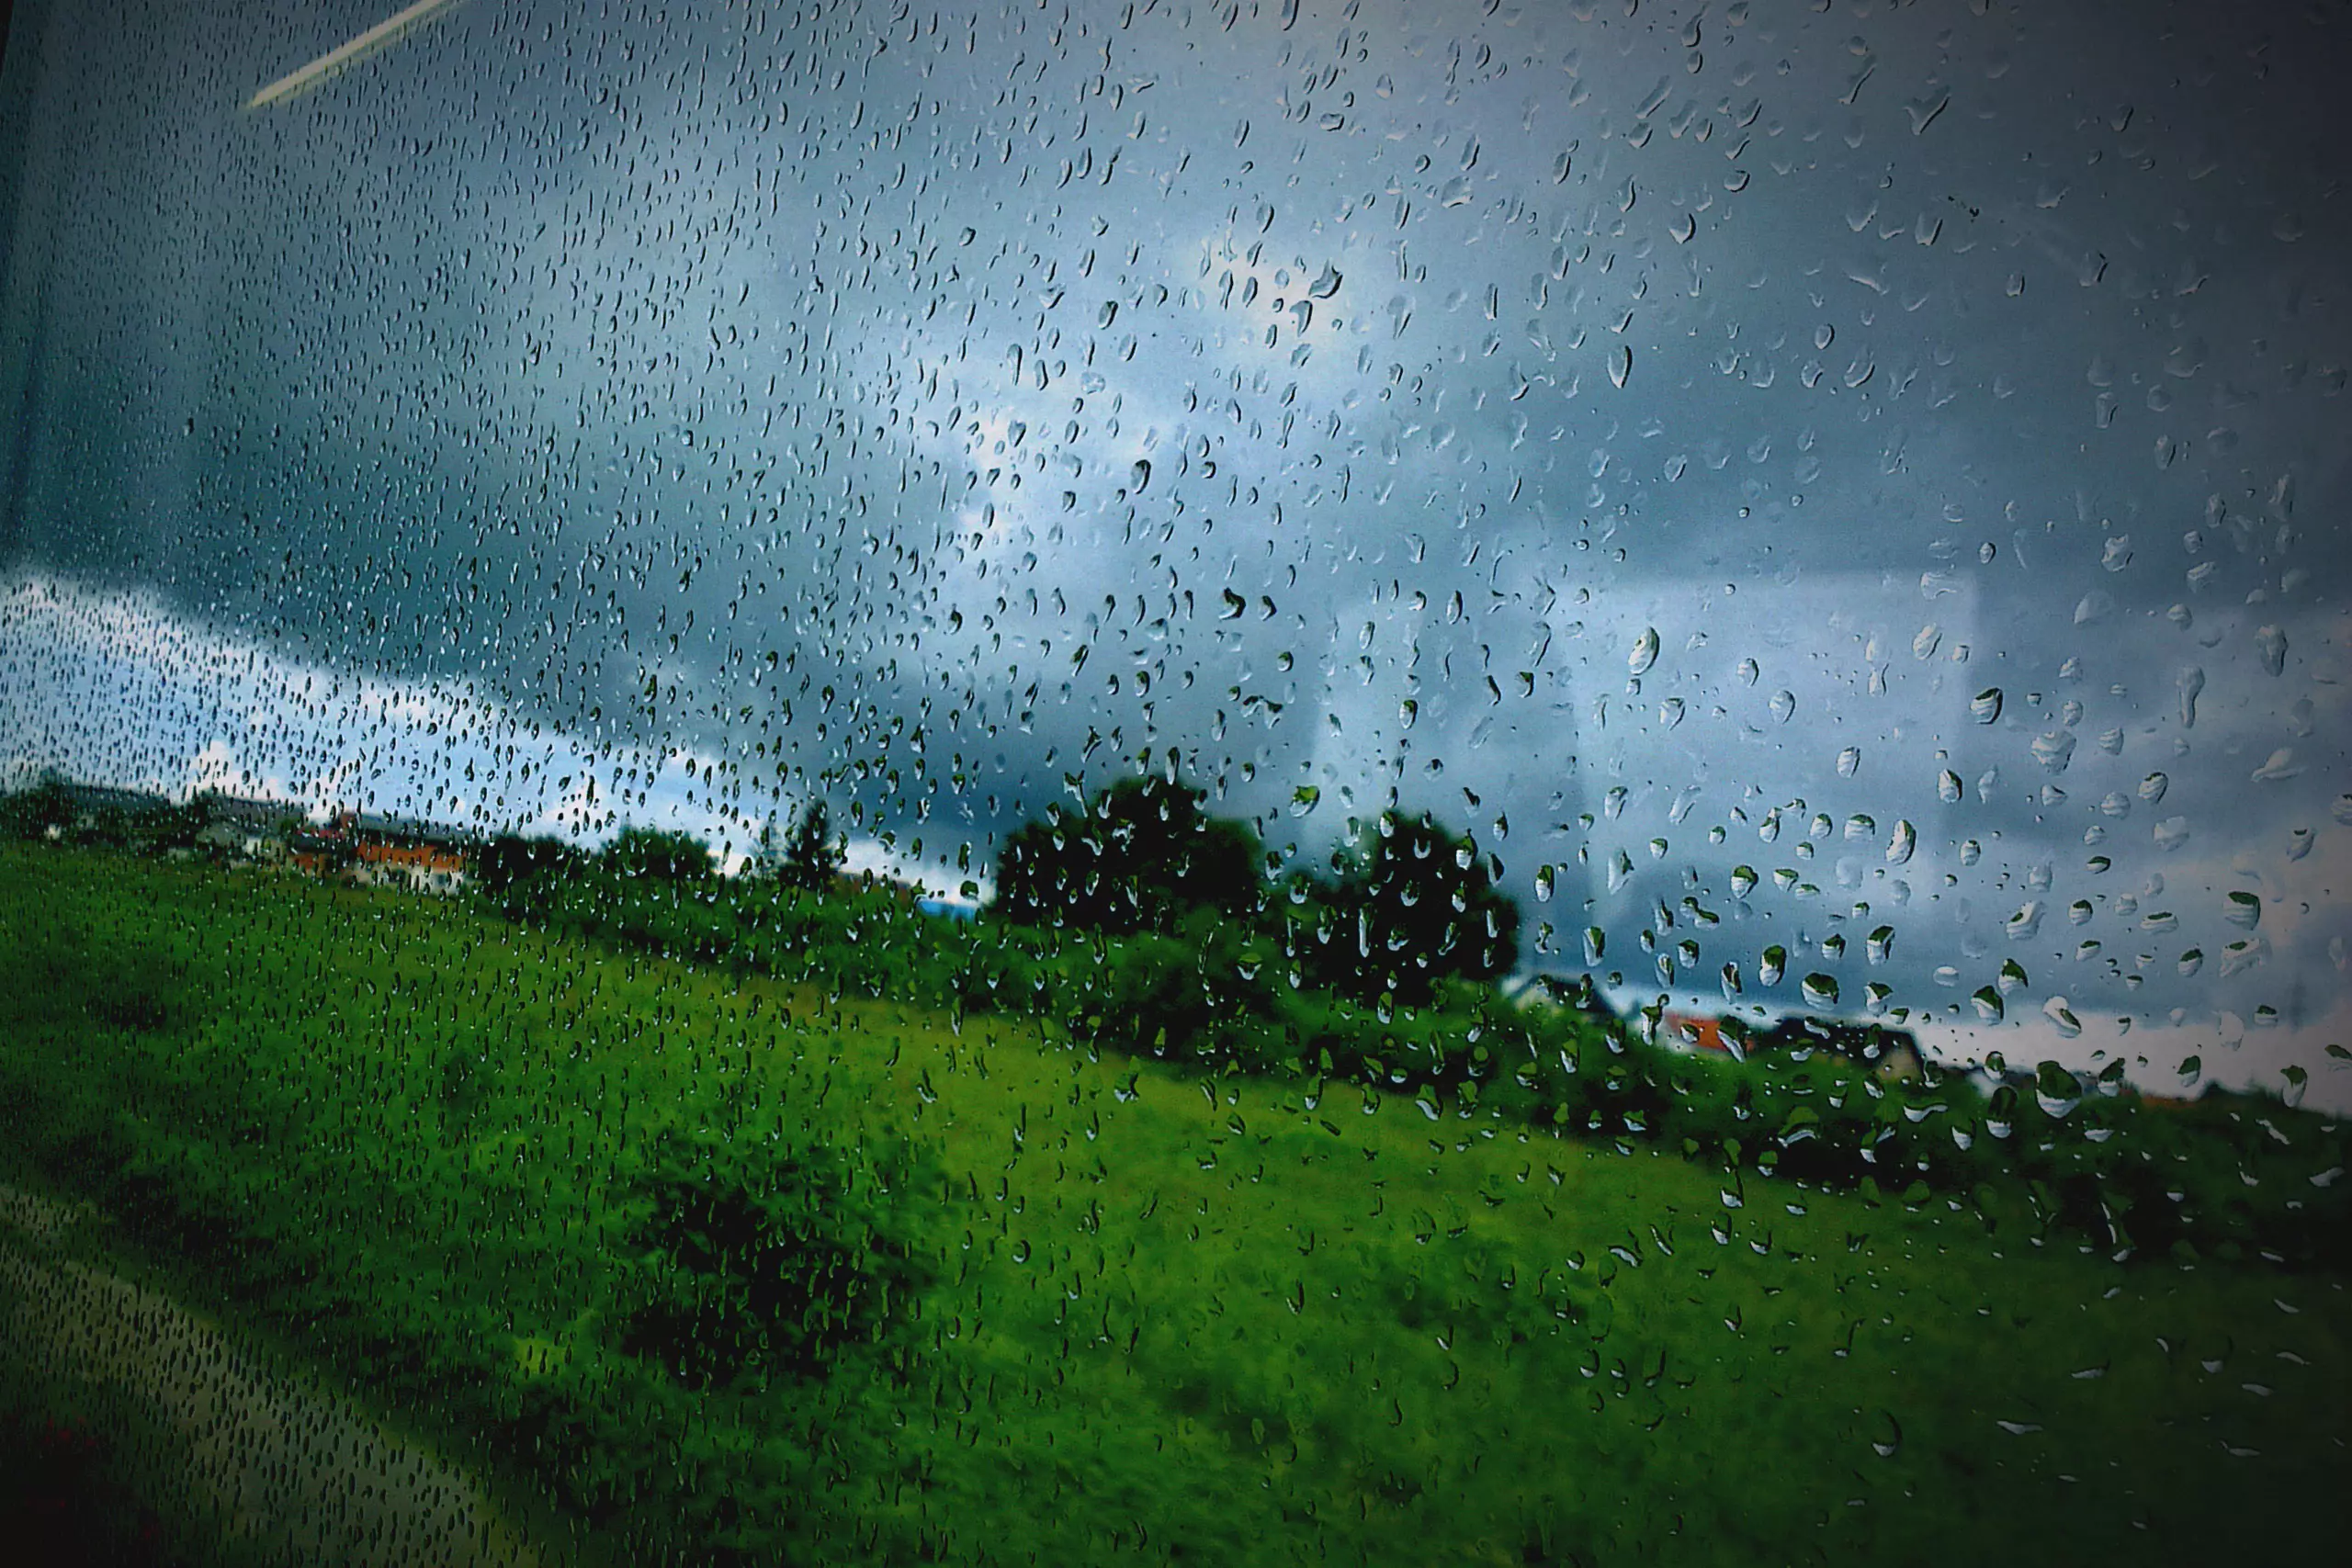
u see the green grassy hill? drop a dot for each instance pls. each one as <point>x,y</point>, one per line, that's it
<point>771,1271</point>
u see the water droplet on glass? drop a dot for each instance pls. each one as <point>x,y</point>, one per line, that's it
<point>1644,653</point>
<point>2271,643</point>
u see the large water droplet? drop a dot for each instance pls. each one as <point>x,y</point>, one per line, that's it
<point>2053,749</point>
<point>1644,653</point>
<point>2272,645</point>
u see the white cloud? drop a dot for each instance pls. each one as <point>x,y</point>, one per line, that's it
<point>116,688</point>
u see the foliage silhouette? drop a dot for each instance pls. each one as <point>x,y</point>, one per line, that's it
<point>1412,905</point>
<point>1137,857</point>
<point>30,813</point>
<point>660,854</point>
<point>812,853</point>
<point>507,860</point>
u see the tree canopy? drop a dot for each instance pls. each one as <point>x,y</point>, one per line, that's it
<point>507,860</point>
<point>1409,903</point>
<point>1137,856</point>
<point>812,854</point>
<point>1412,903</point>
<point>30,812</point>
<point>663,854</point>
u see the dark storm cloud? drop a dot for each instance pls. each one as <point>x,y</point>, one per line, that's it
<point>942,407</point>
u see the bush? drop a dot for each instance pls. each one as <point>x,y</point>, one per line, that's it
<point>1187,996</point>
<point>754,1263</point>
<point>31,813</point>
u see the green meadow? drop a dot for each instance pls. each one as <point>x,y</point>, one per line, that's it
<point>745,1268</point>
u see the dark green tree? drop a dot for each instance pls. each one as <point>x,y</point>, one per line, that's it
<point>1137,856</point>
<point>170,827</point>
<point>662,855</point>
<point>30,813</point>
<point>508,860</point>
<point>812,853</point>
<point>1412,903</point>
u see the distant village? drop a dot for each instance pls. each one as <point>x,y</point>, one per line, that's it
<point>351,846</point>
<point>358,848</point>
<point>1892,1055</point>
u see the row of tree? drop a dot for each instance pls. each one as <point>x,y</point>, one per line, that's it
<point>50,806</point>
<point>1405,905</point>
<point>808,854</point>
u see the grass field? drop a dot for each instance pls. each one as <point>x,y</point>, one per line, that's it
<point>1056,1304</point>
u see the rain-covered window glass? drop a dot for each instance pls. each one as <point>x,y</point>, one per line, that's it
<point>1262,781</point>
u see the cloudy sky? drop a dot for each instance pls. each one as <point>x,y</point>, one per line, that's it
<point>1827,493</point>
